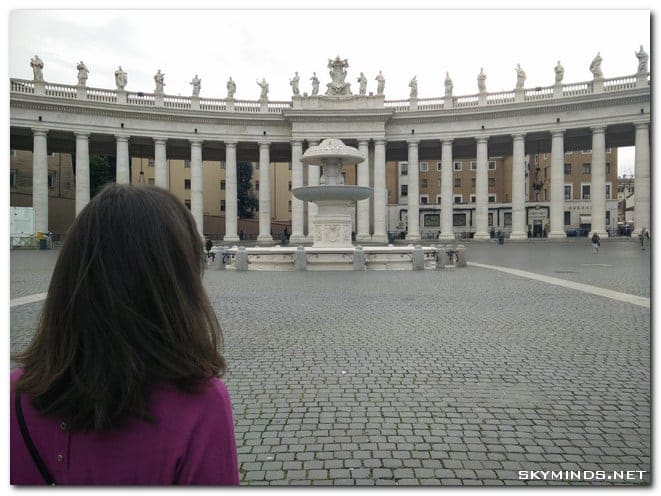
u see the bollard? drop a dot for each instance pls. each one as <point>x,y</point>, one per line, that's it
<point>440,257</point>
<point>448,254</point>
<point>461,256</point>
<point>300,259</point>
<point>418,258</point>
<point>242,259</point>
<point>359,259</point>
<point>222,258</point>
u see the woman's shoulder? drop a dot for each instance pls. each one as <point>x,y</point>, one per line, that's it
<point>211,394</point>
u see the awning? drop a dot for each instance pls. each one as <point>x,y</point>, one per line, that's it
<point>585,219</point>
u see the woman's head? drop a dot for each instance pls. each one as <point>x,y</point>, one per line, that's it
<point>126,309</point>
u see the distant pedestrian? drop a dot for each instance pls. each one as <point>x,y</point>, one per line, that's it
<point>596,242</point>
<point>208,245</point>
<point>644,233</point>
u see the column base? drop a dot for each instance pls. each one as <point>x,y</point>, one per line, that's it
<point>297,239</point>
<point>557,235</point>
<point>447,237</point>
<point>265,240</point>
<point>518,236</point>
<point>379,238</point>
<point>363,238</point>
<point>231,237</point>
<point>481,236</point>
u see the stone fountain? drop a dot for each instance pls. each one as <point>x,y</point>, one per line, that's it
<point>331,227</point>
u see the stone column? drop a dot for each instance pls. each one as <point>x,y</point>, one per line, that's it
<point>363,206</point>
<point>446,190</point>
<point>642,178</point>
<point>314,173</point>
<point>123,171</point>
<point>519,228</point>
<point>380,192</point>
<point>557,185</point>
<point>598,183</point>
<point>82,171</point>
<point>40,179</point>
<point>482,190</point>
<point>160,164</point>
<point>196,185</point>
<point>231,207</point>
<point>264,194</point>
<point>413,214</point>
<point>297,234</point>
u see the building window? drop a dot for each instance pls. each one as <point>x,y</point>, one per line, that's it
<point>404,190</point>
<point>567,169</point>
<point>439,166</point>
<point>289,185</point>
<point>492,182</point>
<point>438,199</point>
<point>150,162</point>
<point>608,167</point>
<point>424,166</point>
<point>51,179</point>
<point>608,217</point>
<point>222,184</point>
<point>424,183</point>
<point>457,182</point>
<point>222,205</point>
<point>567,218</point>
<point>507,219</point>
<point>492,165</point>
<point>457,166</point>
<point>490,217</point>
<point>289,205</point>
<point>492,198</point>
<point>586,168</point>
<point>438,183</point>
<point>424,199</point>
<point>472,198</point>
<point>12,177</point>
<point>186,183</point>
<point>257,185</point>
<point>150,181</point>
<point>608,191</point>
<point>187,164</point>
<point>431,220</point>
<point>187,203</point>
<point>458,199</point>
<point>473,181</point>
<point>458,220</point>
<point>585,191</point>
<point>473,165</point>
<point>403,168</point>
<point>568,188</point>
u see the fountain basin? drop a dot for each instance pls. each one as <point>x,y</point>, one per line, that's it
<point>332,193</point>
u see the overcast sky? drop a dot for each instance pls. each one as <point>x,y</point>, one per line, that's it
<point>250,44</point>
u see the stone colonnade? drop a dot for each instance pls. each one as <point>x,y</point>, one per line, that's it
<point>376,204</point>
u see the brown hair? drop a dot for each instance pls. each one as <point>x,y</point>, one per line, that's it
<point>126,310</point>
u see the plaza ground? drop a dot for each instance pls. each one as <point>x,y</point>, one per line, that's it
<point>450,377</point>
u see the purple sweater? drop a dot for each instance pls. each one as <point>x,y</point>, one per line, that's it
<point>191,443</point>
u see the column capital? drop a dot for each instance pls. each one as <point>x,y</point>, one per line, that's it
<point>81,134</point>
<point>160,141</point>
<point>446,140</point>
<point>296,141</point>
<point>122,137</point>
<point>641,125</point>
<point>413,142</point>
<point>40,131</point>
<point>601,128</point>
<point>196,141</point>
<point>519,136</point>
<point>230,143</point>
<point>363,142</point>
<point>557,132</point>
<point>380,141</point>
<point>482,139</point>
<point>264,143</point>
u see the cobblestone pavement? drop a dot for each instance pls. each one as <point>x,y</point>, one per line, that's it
<point>452,377</point>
